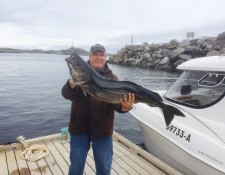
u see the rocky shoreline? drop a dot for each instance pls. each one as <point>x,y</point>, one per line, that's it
<point>168,56</point>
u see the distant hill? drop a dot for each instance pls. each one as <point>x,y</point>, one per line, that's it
<point>61,52</point>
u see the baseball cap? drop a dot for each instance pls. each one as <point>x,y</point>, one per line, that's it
<point>97,47</point>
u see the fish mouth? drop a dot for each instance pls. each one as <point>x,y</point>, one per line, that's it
<point>68,59</point>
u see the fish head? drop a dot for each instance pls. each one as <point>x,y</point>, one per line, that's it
<point>78,69</point>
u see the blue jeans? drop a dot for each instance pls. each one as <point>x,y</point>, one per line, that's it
<point>102,151</point>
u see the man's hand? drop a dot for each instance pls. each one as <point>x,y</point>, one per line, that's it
<point>127,103</point>
<point>72,83</point>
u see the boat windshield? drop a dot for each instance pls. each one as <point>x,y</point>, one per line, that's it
<point>197,89</point>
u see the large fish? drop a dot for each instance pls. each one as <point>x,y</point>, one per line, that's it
<point>111,91</point>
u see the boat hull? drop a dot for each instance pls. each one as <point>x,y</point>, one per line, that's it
<point>165,150</point>
<point>161,143</point>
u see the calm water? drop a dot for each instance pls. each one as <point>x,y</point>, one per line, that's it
<point>30,96</point>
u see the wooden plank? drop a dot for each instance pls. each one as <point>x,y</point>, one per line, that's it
<point>91,162</point>
<point>90,153</point>
<point>87,169</point>
<point>62,150</point>
<point>127,153</point>
<point>144,154</point>
<point>122,147</point>
<point>44,168</point>
<point>54,167</point>
<point>151,169</point>
<point>113,172</point>
<point>58,157</point>
<point>117,168</point>
<point>134,165</point>
<point>123,150</point>
<point>125,166</point>
<point>12,164</point>
<point>3,163</point>
<point>67,146</point>
<point>33,167</point>
<point>22,164</point>
<point>117,152</point>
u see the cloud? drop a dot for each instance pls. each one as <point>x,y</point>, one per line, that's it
<point>54,23</point>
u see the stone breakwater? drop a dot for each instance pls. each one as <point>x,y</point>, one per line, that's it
<point>168,56</point>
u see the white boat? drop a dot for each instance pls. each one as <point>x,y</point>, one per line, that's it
<point>194,144</point>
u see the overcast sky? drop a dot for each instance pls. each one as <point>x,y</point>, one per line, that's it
<point>54,24</point>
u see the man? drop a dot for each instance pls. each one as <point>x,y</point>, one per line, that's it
<point>91,120</point>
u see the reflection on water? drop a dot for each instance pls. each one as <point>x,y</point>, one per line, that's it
<point>30,95</point>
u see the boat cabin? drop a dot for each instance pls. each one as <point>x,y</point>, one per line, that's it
<point>202,84</point>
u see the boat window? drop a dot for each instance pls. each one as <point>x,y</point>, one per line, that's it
<point>211,79</point>
<point>197,89</point>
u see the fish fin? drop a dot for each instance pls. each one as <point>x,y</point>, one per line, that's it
<point>158,96</point>
<point>169,112</point>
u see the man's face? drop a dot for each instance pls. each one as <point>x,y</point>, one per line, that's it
<point>97,59</point>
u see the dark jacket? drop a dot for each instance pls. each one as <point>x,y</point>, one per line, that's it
<point>89,115</point>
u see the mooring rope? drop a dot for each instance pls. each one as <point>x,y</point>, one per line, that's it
<point>33,152</point>
<point>64,131</point>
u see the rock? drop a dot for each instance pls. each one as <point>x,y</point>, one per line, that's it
<point>167,56</point>
<point>154,56</point>
<point>189,49</point>
<point>165,67</point>
<point>135,49</point>
<point>164,61</point>
<point>218,47</point>
<point>165,52</point>
<point>177,63</point>
<point>184,57</point>
<point>140,49</point>
<point>114,59</point>
<point>147,49</point>
<point>158,52</point>
<point>130,60</point>
<point>147,57</point>
<point>143,63</point>
<point>150,64</point>
<point>221,37</point>
<point>208,47</point>
<point>154,47</point>
<point>176,52</point>
<point>222,51</point>
<point>171,47</point>
<point>157,61</point>
<point>174,42</point>
<point>198,52</point>
<point>184,43</point>
<point>213,53</point>
<point>194,42</point>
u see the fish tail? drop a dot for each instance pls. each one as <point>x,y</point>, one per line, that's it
<point>169,112</point>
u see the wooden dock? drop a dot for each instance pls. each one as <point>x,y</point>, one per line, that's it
<point>128,158</point>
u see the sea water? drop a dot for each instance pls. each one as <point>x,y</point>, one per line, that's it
<point>31,103</point>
